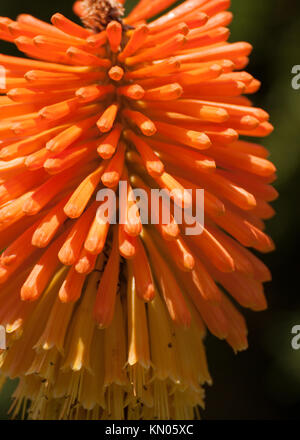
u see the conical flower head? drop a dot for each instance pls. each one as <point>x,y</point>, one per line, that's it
<point>106,313</point>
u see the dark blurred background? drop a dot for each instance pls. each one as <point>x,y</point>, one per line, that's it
<point>263,382</point>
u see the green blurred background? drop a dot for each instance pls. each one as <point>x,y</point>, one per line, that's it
<point>264,382</point>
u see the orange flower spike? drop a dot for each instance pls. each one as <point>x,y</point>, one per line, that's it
<point>177,80</point>
<point>114,169</point>
<point>69,27</point>
<point>72,286</point>
<point>127,243</point>
<point>106,296</point>
<point>136,41</point>
<point>106,122</point>
<point>42,272</point>
<point>142,273</point>
<point>116,73</point>
<point>70,251</point>
<point>145,124</point>
<point>83,193</point>
<point>132,91</point>
<point>114,35</point>
<point>109,144</point>
<point>93,93</point>
<point>49,225</point>
<point>170,289</point>
<point>153,165</point>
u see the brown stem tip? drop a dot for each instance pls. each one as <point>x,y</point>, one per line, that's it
<point>98,13</point>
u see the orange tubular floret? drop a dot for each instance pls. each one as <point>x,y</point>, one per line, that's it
<point>16,186</point>
<point>70,157</point>
<point>42,272</point>
<point>43,194</point>
<point>80,57</point>
<point>177,192</point>
<point>114,35</point>
<point>152,163</point>
<point>109,144</point>
<point>97,234</point>
<point>149,10</point>
<point>106,296</point>
<point>114,169</point>
<point>193,161</point>
<point>72,286</point>
<point>70,251</point>
<point>127,243</point>
<point>178,13</point>
<point>163,50</point>
<point>214,251</point>
<point>145,124</point>
<point>181,254</point>
<point>106,122</point>
<point>49,225</point>
<point>60,110</point>
<point>69,27</point>
<point>116,73</point>
<point>159,69</point>
<point>190,138</point>
<point>81,196</point>
<point>132,91</point>
<point>94,92</point>
<point>70,135</point>
<point>136,41</point>
<point>141,269</point>
<point>168,92</point>
<point>86,262</point>
<point>169,287</point>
